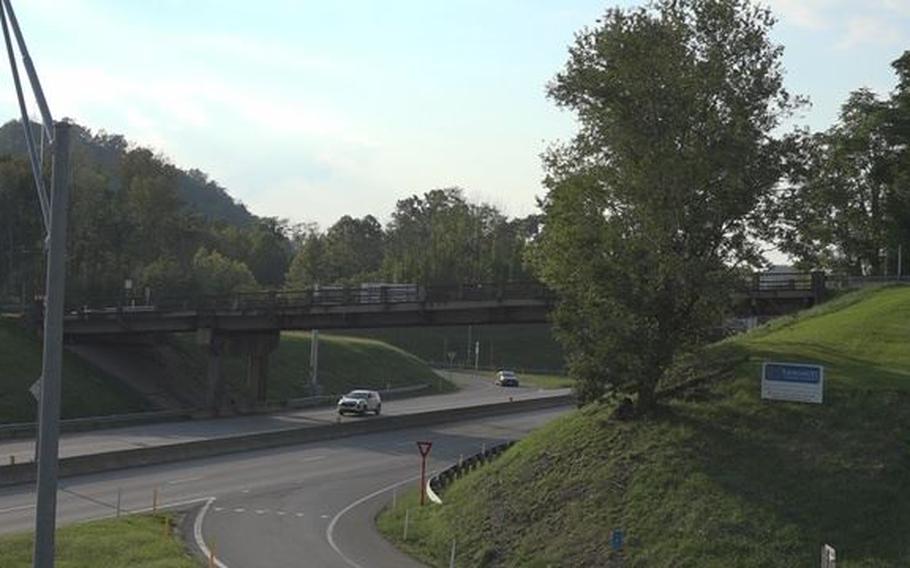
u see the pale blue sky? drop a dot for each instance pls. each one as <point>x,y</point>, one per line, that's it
<point>313,109</point>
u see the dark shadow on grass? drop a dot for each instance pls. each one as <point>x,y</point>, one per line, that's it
<point>840,472</point>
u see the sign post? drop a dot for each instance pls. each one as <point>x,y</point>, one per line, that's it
<point>424,449</point>
<point>796,382</point>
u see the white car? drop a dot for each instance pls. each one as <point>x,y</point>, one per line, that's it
<point>360,402</point>
<point>506,378</point>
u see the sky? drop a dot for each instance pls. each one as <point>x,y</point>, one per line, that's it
<point>309,110</point>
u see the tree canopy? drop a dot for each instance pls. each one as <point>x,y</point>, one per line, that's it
<point>653,203</point>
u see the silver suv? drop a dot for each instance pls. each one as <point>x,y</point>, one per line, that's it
<point>360,402</point>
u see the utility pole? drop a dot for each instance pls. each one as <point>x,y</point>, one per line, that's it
<point>53,215</point>
<point>52,363</point>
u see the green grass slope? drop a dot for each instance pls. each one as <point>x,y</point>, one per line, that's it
<point>525,347</point>
<point>86,390</point>
<point>719,477</point>
<point>345,363</point>
<point>136,541</point>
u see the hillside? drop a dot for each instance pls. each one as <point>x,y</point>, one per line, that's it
<point>178,367</point>
<point>719,477</point>
<point>86,390</point>
<point>345,363</point>
<point>199,194</point>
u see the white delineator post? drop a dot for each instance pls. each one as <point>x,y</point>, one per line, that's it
<point>314,361</point>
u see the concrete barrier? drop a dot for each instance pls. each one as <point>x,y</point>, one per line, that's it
<point>135,457</point>
<point>28,429</point>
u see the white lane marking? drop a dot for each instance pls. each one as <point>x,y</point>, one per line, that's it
<point>260,511</point>
<point>19,508</point>
<point>330,530</point>
<point>280,513</point>
<point>185,480</point>
<point>239,510</point>
<point>218,509</point>
<point>197,534</point>
<point>299,514</point>
<point>323,516</point>
<point>244,490</point>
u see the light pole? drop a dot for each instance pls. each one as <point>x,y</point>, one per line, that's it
<point>53,214</point>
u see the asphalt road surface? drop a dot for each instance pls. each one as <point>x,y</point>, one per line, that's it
<point>473,391</point>
<point>308,505</point>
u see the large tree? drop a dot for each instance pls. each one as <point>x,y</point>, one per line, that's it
<point>650,208</point>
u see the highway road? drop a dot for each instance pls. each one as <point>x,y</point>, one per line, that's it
<point>473,391</point>
<point>307,505</point>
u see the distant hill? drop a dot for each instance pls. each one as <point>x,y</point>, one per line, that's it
<point>200,194</point>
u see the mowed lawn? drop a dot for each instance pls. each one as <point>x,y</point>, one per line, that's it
<point>719,477</point>
<point>345,363</point>
<point>139,541</point>
<point>87,391</point>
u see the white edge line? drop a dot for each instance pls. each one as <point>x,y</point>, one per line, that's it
<point>142,511</point>
<point>329,531</point>
<point>197,533</point>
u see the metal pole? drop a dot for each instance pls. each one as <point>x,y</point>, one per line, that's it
<point>30,71</point>
<point>314,361</point>
<point>27,128</point>
<point>423,480</point>
<point>48,428</point>
<point>900,250</point>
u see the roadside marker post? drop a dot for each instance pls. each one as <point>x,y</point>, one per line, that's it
<point>616,540</point>
<point>155,500</point>
<point>118,502</point>
<point>407,518</point>
<point>829,556</point>
<point>424,449</point>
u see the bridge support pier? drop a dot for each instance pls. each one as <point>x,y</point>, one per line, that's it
<point>214,375</point>
<point>257,347</point>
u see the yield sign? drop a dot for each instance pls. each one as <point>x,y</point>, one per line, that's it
<point>424,448</point>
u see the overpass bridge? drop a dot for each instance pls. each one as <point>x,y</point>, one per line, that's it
<point>250,323</point>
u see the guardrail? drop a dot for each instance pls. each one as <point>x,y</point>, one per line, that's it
<point>442,479</point>
<point>324,296</point>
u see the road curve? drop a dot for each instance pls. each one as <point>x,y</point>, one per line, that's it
<point>286,506</point>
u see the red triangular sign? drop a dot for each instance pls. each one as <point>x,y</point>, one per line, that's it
<point>424,448</point>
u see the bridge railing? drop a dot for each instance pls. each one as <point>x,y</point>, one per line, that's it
<point>372,294</point>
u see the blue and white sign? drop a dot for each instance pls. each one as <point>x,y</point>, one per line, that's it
<point>616,539</point>
<point>792,381</point>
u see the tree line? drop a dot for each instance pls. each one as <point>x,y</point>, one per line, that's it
<point>135,231</point>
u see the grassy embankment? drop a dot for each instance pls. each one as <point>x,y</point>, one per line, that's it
<point>535,380</point>
<point>719,477</point>
<point>526,347</point>
<point>345,363</point>
<point>135,541</point>
<point>86,390</point>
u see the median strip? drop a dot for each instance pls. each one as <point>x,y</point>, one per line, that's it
<point>108,461</point>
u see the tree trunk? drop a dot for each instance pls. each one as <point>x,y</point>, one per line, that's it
<point>647,398</point>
